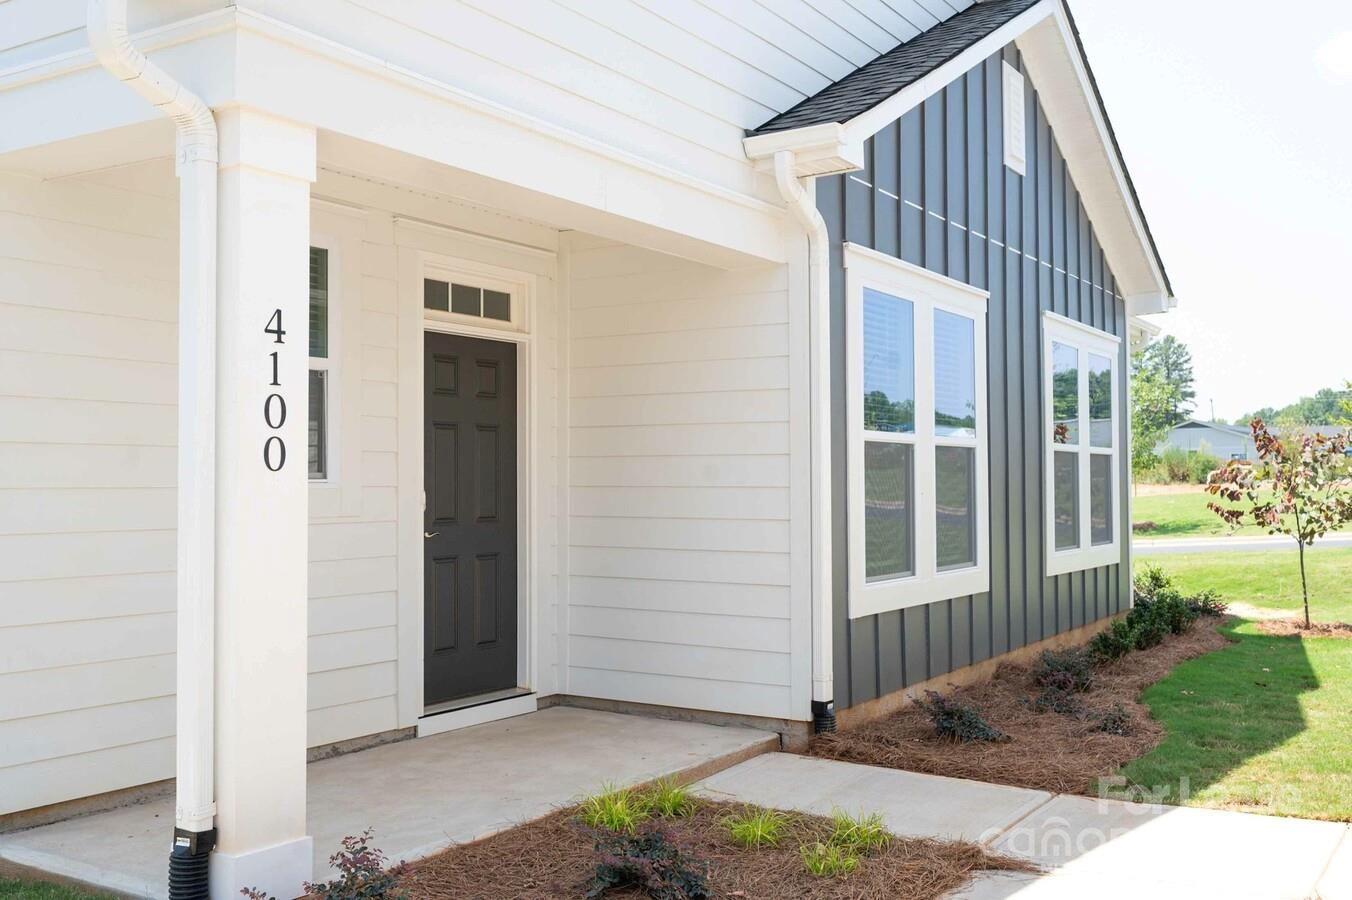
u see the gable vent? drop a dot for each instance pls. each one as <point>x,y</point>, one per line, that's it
<point>1016,138</point>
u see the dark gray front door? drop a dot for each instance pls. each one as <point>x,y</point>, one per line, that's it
<point>470,611</point>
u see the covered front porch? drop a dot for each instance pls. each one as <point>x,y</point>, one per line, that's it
<point>418,796</point>
<point>534,408</point>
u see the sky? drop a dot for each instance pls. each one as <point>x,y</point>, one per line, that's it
<point>1235,119</point>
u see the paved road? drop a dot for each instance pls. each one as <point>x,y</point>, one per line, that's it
<point>1166,546</point>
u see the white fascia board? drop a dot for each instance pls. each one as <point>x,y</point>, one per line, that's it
<point>817,150</point>
<point>870,122</point>
<point>1146,304</point>
<point>1053,59</point>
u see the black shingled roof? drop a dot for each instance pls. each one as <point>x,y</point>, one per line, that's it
<point>866,87</point>
<point>907,63</point>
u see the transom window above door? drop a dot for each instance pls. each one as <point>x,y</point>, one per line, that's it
<point>467,300</point>
<point>917,465</point>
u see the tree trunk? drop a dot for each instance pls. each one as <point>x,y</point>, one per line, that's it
<point>1304,588</point>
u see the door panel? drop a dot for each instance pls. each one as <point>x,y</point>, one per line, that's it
<point>470,592</point>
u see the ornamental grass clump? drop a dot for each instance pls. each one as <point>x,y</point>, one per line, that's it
<point>756,827</point>
<point>828,860</point>
<point>614,809</point>
<point>669,799</point>
<point>859,834</point>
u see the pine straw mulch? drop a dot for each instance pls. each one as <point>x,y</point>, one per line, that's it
<point>1296,628</point>
<point>1048,751</point>
<point>555,857</point>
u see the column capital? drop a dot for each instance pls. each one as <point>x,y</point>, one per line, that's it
<point>252,139</point>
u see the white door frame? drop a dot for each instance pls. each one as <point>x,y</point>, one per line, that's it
<point>414,321</point>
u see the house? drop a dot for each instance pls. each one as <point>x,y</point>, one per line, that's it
<point>1217,438</point>
<point>370,373</point>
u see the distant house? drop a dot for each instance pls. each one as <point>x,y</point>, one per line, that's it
<point>1216,438</point>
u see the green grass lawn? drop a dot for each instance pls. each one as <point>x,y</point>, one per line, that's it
<point>1260,726</point>
<point>22,889</point>
<point>1185,516</point>
<point>1269,579</point>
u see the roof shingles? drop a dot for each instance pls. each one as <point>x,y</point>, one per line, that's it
<point>898,68</point>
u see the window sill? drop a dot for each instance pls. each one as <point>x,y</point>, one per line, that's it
<point>1062,562</point>
<point>887,596</point>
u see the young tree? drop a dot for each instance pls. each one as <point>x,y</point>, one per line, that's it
<point>1169,359</point>
<point>1304,496</point>
<point>1153,402</point>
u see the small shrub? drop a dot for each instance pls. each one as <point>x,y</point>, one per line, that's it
<point>1147,630</point>
<point>613,809</point>
<point>1114,721</point>
<point>1059,701</point>
<point>827,860</point>
<point>755,828</point>
<point>1069,671</point>
<point>361,873</point>
<point>1207,603</point>
<point>669,799</point>
<point>651,861</point>
<point>1113,642</point>
<point>958,721</point>
<point>1167,612</point>
<point>1149,581</point>
<point>859,835</point>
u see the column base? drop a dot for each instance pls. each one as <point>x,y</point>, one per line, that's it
<point>279,871</point>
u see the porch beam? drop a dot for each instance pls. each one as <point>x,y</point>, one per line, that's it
<point>266,167</point>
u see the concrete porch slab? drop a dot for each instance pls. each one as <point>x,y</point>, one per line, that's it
<point>420,795</point>
<point>913,805</point>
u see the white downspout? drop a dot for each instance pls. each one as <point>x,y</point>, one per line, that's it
<point>819,329</point>
<point>196,165</point>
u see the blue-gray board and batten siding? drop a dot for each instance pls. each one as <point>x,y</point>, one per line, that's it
<point>935,192</point>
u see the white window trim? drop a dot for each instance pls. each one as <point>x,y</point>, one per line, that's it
<point>1085,339</point>
<point>340,229</point>
<point>928,291</point>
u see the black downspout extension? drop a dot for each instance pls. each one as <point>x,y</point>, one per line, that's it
<point>823,717</point>
<point>188,864</point>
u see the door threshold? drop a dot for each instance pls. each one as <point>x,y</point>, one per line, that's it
<point>476,710</point>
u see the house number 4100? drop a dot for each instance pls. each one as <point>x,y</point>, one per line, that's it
<point>274,407</point>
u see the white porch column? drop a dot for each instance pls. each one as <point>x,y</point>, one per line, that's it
<point>266,167</point>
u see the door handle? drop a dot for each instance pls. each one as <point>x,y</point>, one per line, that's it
<point>431,534</point>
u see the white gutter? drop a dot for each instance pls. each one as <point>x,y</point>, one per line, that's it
<point>196,164</point>
<point>805,211</point>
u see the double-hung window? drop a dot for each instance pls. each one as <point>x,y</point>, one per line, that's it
<point>318,433</point>
<point>917,457</point>
<point>1080,426</point>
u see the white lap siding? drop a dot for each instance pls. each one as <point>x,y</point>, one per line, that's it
<point>88,382</point>
<point>679,581</point>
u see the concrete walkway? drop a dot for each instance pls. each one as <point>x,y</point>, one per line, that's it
<point>1169,546</point>
<point>420,795</point>
<point>1087,848</point>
